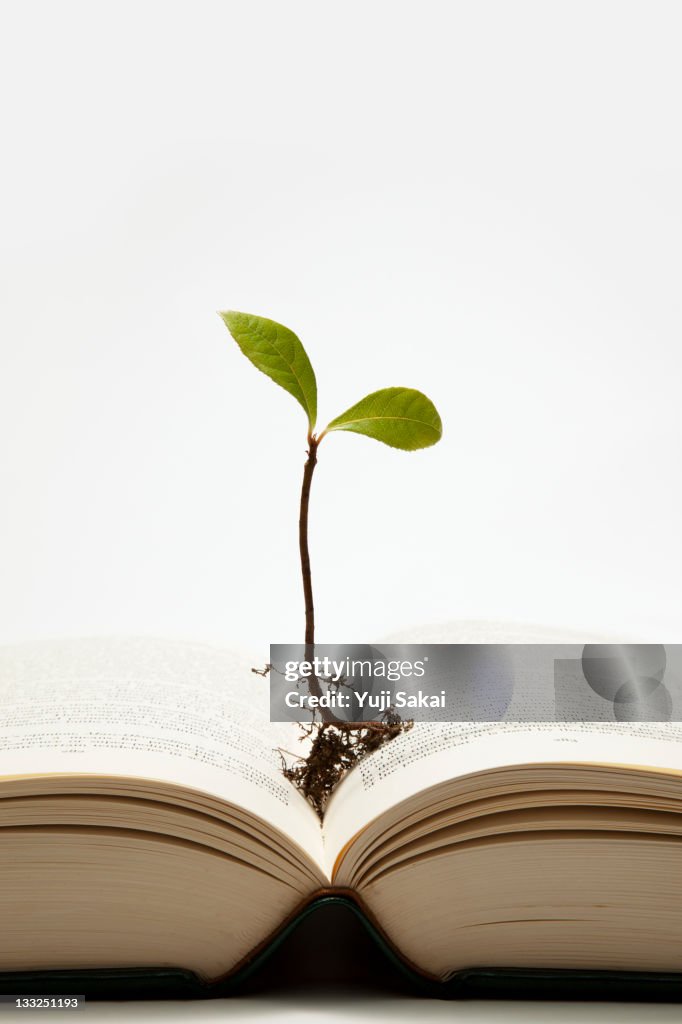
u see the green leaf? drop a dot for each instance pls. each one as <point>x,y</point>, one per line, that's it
<point>400,417</point>
<point>277,352</point>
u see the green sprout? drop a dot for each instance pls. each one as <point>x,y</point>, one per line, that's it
<point>399,417</point>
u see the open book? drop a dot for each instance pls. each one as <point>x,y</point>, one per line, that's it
<point>145,822</point>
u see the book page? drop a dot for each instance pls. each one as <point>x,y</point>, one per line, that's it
<point>180,713</point>
<point>431,753</point>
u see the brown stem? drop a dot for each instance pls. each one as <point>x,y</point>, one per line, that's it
<point>313,682</point>
<point>303,542</point>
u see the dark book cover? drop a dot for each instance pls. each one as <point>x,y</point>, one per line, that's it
<point>346,944</point>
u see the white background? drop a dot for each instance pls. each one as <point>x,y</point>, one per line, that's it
<point>478,199</point>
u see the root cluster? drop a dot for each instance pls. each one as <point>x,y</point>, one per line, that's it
<point>336,748</point>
